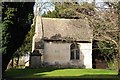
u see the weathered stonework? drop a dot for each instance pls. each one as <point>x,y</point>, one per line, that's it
<point>35,59</point>
<point>60,53</point>
<point>53,38</point>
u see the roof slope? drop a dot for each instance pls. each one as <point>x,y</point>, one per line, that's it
<point>77,29</point>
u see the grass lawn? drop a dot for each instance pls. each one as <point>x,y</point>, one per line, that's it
<point>62,73</point>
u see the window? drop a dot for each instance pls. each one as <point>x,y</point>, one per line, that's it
<point>74,51</point>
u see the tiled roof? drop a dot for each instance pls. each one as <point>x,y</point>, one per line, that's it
<point>57,28</point>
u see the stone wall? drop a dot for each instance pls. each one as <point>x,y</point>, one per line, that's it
<point>35,62</point>
<point>56,52</point>
<point>35,59</point>
<point>59,54</point>
<point>86,49</point>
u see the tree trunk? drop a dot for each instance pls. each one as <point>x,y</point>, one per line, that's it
<point>12,62</point>
<point>5,60</point>
<point>18,61</point>
<point>119,38</point>
<point>119,58</point>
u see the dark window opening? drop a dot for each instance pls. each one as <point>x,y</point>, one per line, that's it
<point>74,52</point>
<point>77,55</point>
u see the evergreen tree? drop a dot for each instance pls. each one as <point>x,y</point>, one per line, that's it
<point>17,19</point>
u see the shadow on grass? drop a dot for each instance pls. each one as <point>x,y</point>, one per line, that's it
<point>84,77</point>
<point>16,73</point>
<point>29,74</point>
<point>101,76</point>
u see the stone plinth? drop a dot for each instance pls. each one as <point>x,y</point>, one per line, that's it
<point>35,59</point>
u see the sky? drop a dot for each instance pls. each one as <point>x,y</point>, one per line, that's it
<point>44,6</point>
<point>48,6</point>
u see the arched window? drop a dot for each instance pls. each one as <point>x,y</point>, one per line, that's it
<point>74,51</point>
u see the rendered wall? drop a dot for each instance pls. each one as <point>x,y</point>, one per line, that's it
<point>60,53</point>
<point>56,52</point>
<point>86,49</point>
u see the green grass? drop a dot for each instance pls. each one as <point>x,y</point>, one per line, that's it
<point>62,73</point>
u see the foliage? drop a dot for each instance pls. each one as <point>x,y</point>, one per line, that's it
<point>70,10</point>
<point>27,44</point>
<point>17,19</point>
<point>7,21</point>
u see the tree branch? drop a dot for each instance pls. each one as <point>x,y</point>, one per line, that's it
<point>110,39</point>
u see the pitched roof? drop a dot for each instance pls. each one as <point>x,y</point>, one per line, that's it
<point>76,29</point>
